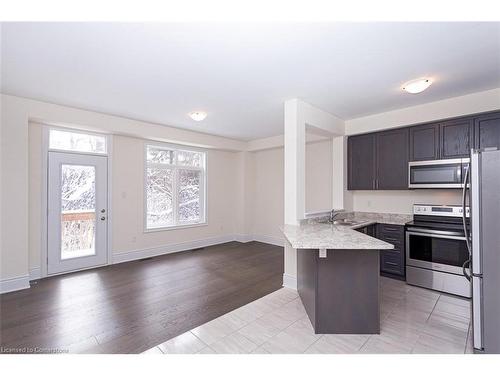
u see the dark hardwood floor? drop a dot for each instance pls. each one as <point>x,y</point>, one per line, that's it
<point>130,307</point>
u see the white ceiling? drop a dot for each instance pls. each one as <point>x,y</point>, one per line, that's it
<point>241,74</point>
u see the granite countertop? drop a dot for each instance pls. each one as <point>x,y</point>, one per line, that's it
<point>382,218</point>
<point>329,236</point>
<point>371,217</point>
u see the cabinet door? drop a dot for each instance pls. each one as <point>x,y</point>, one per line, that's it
<point>392,160</point>
<point>455,138</point>
<point>361,162</point>
<point>487,131</point>
<point>392,262</point>
<point>424,142</point>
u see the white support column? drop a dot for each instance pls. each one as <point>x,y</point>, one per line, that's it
<point>342,198</point>
<point>295,162</point>
<point>295,165</point>
<point>298,116</point>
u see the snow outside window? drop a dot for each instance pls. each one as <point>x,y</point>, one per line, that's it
<point>77,142</point>
<point>174,187</point>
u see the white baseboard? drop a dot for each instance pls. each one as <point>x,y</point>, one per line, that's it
<point>244,238</point>
<point>128,256</point>
<point>35,273</point>
<point>289,281</point>
<point>14,283</point>
<point>272,240</point>
<point>22,282</point>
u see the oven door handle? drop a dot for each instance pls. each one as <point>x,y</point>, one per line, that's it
<point>436,233</point>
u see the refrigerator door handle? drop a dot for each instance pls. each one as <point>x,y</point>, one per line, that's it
<point>477,313</point>
<point>475,212</point>
<point>464,215</point>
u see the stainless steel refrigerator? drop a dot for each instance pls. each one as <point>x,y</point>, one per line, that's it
<point>484,246</point>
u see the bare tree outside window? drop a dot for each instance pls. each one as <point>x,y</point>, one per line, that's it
<point>174,187</point>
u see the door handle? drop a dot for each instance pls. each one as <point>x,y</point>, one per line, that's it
<point>103,211</point>
<point>103,218</point>
<point>464,267</point>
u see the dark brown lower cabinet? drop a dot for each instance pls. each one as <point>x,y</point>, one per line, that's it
<point>370,230</point>
<point>392,262</point>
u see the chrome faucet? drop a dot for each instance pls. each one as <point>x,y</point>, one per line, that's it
<point>333,214</point>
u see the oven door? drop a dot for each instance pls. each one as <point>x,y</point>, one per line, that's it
<point>436,174</point>
<point>436,250</point>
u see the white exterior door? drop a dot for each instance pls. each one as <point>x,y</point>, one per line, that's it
<point>77,211</point>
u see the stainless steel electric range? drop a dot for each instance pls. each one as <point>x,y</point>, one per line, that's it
<point>436,249</point>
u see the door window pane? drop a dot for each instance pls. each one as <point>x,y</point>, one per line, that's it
<point>81,142</point>
<point>159,197</point>
<point>78,216</point>
<point>189,195</point>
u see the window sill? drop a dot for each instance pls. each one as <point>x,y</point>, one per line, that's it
<point>182,226</point>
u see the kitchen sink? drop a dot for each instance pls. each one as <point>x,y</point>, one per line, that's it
<point>348,222</point>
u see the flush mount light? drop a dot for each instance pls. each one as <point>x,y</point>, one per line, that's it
<point>417,85</point>
<point>198,115</point>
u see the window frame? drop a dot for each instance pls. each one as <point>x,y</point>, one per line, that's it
<point>175,188</point>
<point>78,131</point>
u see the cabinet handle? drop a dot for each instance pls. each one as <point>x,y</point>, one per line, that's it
<point>391,229</point>
<point>373,184</point>
<point>392,239</point>
<point>392,263</point>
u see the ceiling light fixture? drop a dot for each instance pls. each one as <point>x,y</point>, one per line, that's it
<point>198,115</point>
<point>417,85</point>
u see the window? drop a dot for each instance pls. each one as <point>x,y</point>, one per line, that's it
<point>77,142</point>
<point>174,187</point>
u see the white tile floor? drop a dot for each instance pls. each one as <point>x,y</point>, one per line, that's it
<point>413,320</point>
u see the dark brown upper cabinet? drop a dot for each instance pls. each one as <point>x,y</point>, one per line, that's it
<point>455,138</point>
<point>392,159</point>
<point>361,162</point>
<point>379,161</point>
<point>424,142</point>
<point>487,131</point>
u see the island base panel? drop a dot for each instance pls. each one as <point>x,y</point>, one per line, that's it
<point>340,292</point>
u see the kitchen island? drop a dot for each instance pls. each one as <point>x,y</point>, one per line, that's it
<point>338,272</point>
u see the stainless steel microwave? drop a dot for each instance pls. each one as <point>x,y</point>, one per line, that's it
<point>437,174</point>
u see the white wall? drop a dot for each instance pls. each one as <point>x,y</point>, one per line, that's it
<point>268,177</point>
<point>401,201</point>
<point>14,168</point>
<point>35,196</point>
<point>483,101</point>
<point>128,200</point>
<point>129,238</point>
<point>16,161</point>
<point>249,204</point>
